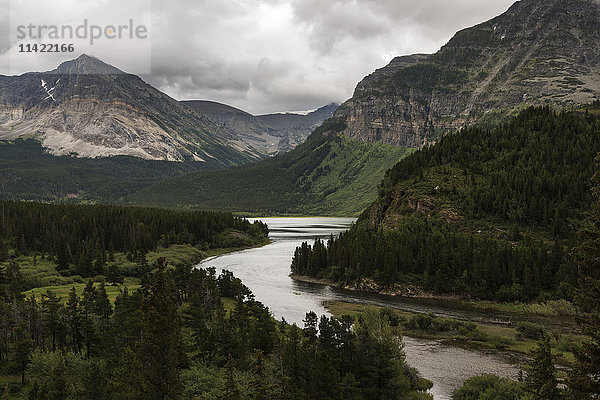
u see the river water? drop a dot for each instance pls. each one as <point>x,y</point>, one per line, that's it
<point>266,270</point>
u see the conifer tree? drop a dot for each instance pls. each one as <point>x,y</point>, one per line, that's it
<point>540,380</point>
<point>158,349</point>
<point>584,378</point>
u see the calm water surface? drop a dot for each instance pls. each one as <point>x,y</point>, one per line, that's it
<point>266,272</point>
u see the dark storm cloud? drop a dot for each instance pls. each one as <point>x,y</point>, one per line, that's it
<point>275,55</point>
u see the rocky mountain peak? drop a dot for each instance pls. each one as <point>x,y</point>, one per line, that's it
<point>88,108</point>
<point>86,65</point>
<point>537,52</point>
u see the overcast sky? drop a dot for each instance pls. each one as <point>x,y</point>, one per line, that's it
<point>283,55</point>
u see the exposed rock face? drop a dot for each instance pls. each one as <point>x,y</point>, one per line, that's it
<point>264,134</point>
<point>88,108</point>
<point>538,52</point>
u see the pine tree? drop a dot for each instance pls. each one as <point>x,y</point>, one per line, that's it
<point>262,386</point>
<point>541,380</point>
<point>51,314</point>
<point>230,391</point>
<point>14,281</point>
<point>74,320</point>
<point>159,347</point>
<point>88,316</point>
<point>584,378</point>
<point>114,275</point>
<point>102,306</point>
<point>62,256</point>
<point>3,251</point>
<point>22,348</point>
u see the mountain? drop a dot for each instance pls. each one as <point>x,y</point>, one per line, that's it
<point>535,53</point>
<point>91,109</point>
<point>538,52</point>
<point>264,134</point>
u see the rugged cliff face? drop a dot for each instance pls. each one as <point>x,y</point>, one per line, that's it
<point>538,52</point>
<point>91,109</point>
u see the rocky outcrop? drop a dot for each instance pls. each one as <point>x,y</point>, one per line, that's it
<point>390,209</point>
<point>538,52</point>
<point>368,285</point>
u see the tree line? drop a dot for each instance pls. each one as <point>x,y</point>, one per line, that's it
<point>434,255</point>
<point>82,239</point>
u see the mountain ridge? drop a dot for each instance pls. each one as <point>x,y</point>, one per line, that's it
<point>535,53</point>
<point>267,134</point>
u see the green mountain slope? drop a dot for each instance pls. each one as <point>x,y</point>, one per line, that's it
<point>27,172</point>
<point>490,213</point>
<point>327,175</point>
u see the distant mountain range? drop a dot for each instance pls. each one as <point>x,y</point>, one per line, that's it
<point>88,108</point>
<point>538,52</point>
<point>263,134</point>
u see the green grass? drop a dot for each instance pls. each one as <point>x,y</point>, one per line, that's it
<point>62,291</point>
<point>178,254</point>
<point>548,308</point>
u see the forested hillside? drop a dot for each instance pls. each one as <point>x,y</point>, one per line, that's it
<point>27,172</point>
<point>327,175</point>
<point>491,213</point>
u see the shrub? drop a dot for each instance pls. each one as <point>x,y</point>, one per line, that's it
<point>529,330</point>
<point>489,387</point>
<point>391,315</point>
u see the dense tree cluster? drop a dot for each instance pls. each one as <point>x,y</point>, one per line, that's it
<point>81,239</point>
<point>190,334</point>
<point>442,259</point>
<point>522,191</point>
<point>536,169</point>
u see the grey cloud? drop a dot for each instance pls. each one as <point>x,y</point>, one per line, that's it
<point>277,55</point>
<point>4,26</point>
<point>329,22</point>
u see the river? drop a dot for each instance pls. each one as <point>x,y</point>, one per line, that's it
<point>266,270</point>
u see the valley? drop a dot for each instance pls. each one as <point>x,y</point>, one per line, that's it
<point>436,236</point>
